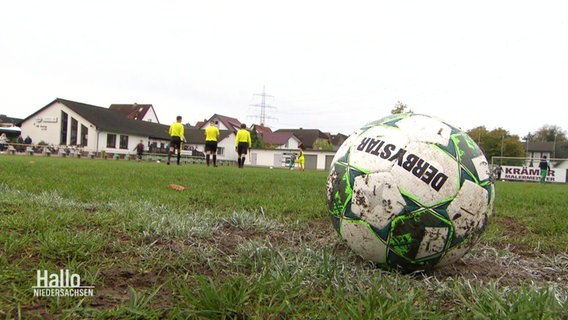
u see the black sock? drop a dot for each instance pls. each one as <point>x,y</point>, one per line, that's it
<point>214,159</point>
<point>207,159</point>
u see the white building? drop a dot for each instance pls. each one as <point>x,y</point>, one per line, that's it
<point>90,128</point>
<point>93,129</point>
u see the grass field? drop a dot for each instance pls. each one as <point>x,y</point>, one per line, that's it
<point>251,243</point>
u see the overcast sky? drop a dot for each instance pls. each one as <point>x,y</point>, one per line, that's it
<point>329,65</point>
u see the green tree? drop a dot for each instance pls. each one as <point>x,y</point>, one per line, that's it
<point>548,133</point>
<point>321,144</point>
<point>477,133</point>
<point>497,142</point>
<point>256,142</point>
<point>399,108</point>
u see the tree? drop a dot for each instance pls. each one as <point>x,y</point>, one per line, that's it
<point>548,133</point>
<point>321,144</point>
<point>477,133</point>
<point>256,142</point>
<point>399,108</point>
<point>497,142</point>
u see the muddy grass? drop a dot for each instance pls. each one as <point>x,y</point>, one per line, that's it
<point>485,264</point>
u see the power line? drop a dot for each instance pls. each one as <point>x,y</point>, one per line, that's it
<point>263,106</point>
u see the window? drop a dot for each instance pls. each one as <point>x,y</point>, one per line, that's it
<point>74,127</point>
<point>63,133</point>
<point>84,136</point>
<point>123,142</point>
<point>111,140</point>
<point>220,151</point>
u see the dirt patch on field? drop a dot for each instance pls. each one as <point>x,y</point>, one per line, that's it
<point>508,266</point>
<point>511,265</point>
<point>513,270</point>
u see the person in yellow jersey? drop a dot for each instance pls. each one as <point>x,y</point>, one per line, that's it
<point>242,144</point>
<point>211,136</point>
<point>177,136</point>
<point>301,158</point>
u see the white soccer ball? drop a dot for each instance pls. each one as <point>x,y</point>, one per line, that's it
<point>410,192</point>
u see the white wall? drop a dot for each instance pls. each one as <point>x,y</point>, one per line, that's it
<point>228,144</point>
<point>273,157</point>
<point>151,116</point>
<point>46,126</point>
<point>132,142</point>
<point>220,124</point>
<point>293,143</point>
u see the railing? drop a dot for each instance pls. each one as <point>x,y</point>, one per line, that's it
<point>74,152</point>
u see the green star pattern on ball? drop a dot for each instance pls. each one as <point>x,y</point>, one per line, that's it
<point>410,192</point>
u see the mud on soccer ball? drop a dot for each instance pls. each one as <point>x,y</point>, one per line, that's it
<point>410,192</point>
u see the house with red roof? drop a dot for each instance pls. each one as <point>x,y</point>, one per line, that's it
<point>222,122</point>
<point>116,130</point>
<point>135,111</point>
<point>276,140</point>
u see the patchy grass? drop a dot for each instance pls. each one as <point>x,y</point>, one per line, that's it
<point>251,243</point>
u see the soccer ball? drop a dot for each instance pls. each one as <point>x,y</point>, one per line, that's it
<point>410,192</point>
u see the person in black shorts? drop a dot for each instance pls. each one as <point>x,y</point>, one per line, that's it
<point>211,136</point>
<point>242,144</point>
<point>177,133</point>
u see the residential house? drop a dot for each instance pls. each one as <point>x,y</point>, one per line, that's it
<point>337,140</point>
<point>222,123</point>
<point>94,129</point>
<point>135,111</point>
<point>275,140</point>
<point>552,150</point>
<point>312,139</point>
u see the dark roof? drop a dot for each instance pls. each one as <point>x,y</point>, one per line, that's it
<point>541,146</point>
<point>277,138</point>
<point>307,136</point>
<point>261,129</point>
<point>133,111</point>
<point>6,119</point>
<point>338,139</point>
<point>558,149</point>
<point>271,138</point>
<point>111,121</point>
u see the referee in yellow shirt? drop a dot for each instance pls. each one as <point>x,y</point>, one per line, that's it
<point>242,144</point>
<point>176,134</point>
<point>211,136</point>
